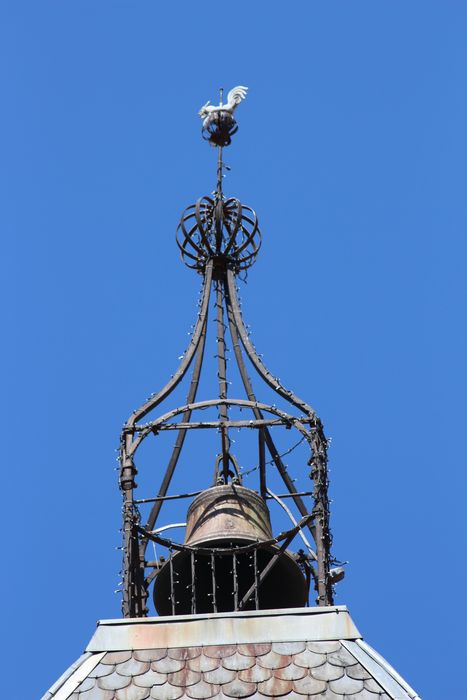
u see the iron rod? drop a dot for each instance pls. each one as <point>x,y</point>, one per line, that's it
<point>262,464</point>
<point>256,580</point>
<point>222,377</point>
<point>228,551</point>
<point>196,493</point>
<point>213,581</point>
<point>235,580</point>
<point>228,424</point>
<point>172,588</point>
<point>166,498</point>
<point>272,562</point>
<point>193,583</point>
<point>288,420</point>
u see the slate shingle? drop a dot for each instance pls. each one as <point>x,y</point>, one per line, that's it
<point>292,670</point>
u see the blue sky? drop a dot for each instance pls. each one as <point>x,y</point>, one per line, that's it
<point>352,150</point>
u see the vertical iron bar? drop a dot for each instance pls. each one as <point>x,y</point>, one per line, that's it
<point>193,583</point>
<point>321,512</point>
<point>213,580</point>
<point>255,566</point>
<point>219,172</point>
<point>262,463</point>
<point>222,375</point>
<point>265,572</point>
<point>235,581</point>
<point>133,603</point>
<point>172,587</point>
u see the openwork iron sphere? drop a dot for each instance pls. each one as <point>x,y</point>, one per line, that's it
<point>219,228</point>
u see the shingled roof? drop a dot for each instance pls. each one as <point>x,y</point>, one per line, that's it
<point>314,653</point>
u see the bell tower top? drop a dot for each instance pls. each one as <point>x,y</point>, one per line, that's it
<point>238,588</point>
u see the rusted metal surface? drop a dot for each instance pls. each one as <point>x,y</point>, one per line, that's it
<point>219,237</point>
<point>240,628</point>
<point>238,243</point>
<point>315,653</point>
<point>228,512</point>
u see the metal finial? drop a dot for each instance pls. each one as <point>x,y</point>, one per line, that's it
<point>216,227</point>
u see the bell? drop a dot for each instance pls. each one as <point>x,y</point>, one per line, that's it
<point>208,580</point>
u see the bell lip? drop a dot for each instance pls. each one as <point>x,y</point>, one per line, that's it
<point>224,537</point>
<point>274,548</point>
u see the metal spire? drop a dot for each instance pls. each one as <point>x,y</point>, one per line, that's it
<point>219,237</point>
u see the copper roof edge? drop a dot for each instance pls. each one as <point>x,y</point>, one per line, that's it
<point>289,624</point>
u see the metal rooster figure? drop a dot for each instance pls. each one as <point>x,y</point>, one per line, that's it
<point>218,122</point>
<point>235,96</point>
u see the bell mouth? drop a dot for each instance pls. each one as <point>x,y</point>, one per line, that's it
<point>191,581</point>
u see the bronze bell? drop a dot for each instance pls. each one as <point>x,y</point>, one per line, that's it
<point>227,517</point>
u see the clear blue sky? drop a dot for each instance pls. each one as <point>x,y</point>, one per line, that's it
<point>352,149</point>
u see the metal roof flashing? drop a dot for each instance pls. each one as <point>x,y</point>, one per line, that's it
<point>290,624</point>
<point>291,653</point>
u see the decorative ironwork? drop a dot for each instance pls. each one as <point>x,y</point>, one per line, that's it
<point>219,237</point>
<point>221,229</point>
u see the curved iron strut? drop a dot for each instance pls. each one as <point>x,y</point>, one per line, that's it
<point>221,240</point>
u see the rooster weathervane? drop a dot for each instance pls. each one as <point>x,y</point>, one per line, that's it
<point>219,124</point>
